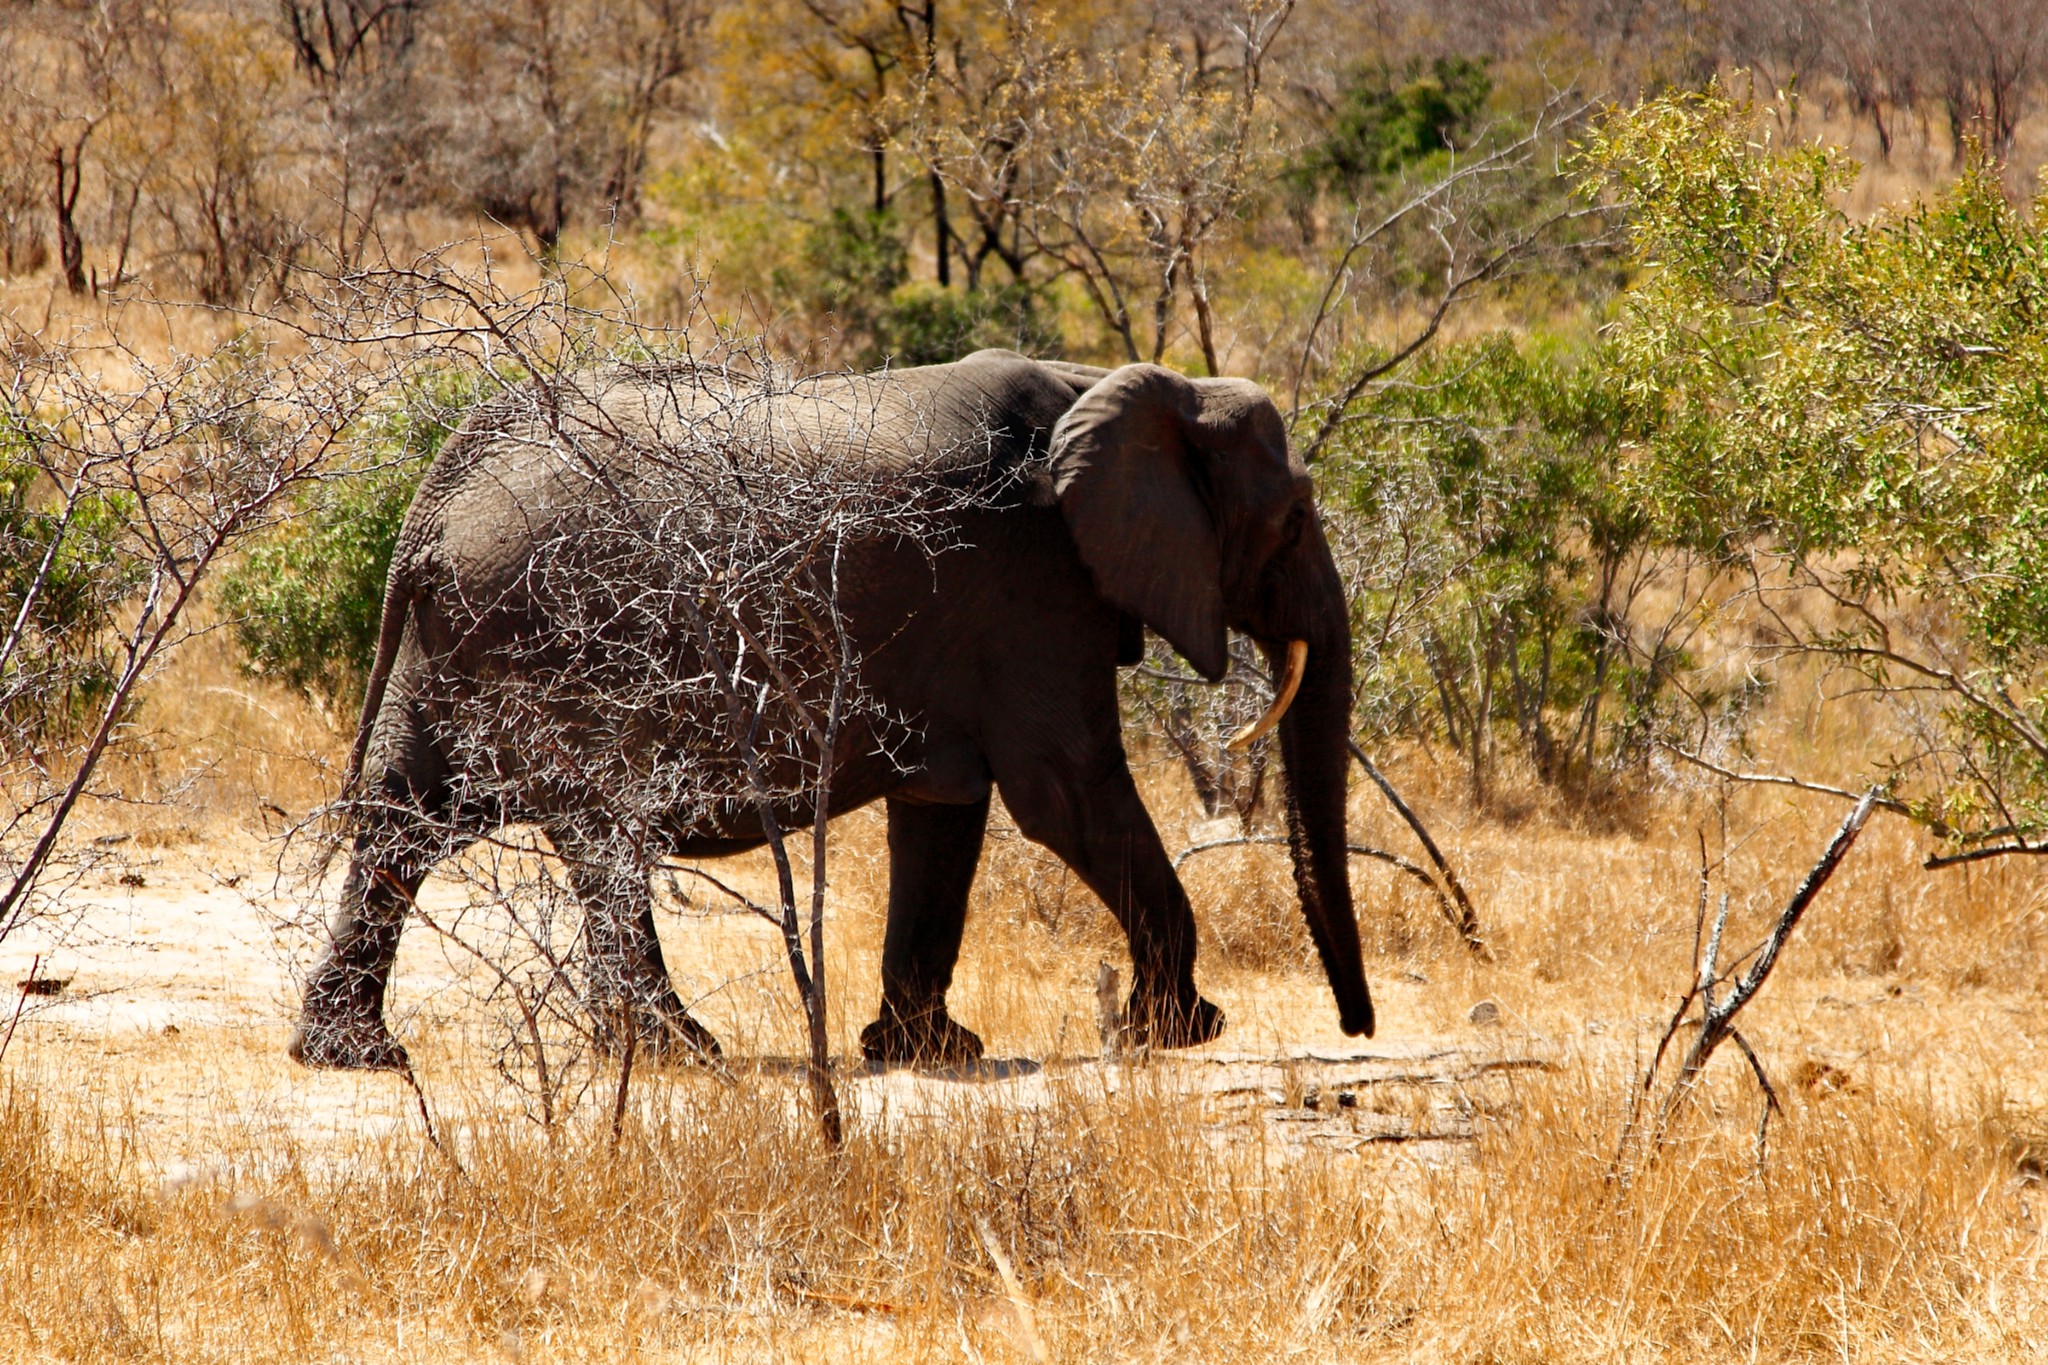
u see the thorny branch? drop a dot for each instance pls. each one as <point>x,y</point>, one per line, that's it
<point>695,670</point>
<point>156,470</point>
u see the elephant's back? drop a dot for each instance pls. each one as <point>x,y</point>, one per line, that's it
<point>978,420</point>
<point>987,418</point>
<point>671,448</point>
<point>537,465</point>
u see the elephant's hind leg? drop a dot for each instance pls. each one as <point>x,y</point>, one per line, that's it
<point>933,850</point>
<point>402,829</point>
<point>626,978</point>
<point>341,1020</point>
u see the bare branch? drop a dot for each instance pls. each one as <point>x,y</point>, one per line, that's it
<point>1716,1020</point>
<point>1884,803</point>
<point>1467,919</point>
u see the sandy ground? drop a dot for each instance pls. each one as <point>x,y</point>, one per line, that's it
<point>180,966</point>
<point>180,958</point>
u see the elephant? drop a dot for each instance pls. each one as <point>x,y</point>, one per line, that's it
<point>1116,501</point>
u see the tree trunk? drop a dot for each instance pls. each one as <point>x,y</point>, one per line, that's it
<point>1205,323</point>
<point>942,231</point>
<point>64,199</point>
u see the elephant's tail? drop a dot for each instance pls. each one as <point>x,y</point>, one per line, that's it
<point>397,602</point>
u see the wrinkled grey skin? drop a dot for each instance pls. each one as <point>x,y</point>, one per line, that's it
<point>1123,497</point>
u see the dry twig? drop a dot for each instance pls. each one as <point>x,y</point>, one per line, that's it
<point>1716,1021</point>
<point>1027,1319</point>
<point>1466,922</point>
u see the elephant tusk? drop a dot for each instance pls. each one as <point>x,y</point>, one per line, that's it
<point>1283,697</point>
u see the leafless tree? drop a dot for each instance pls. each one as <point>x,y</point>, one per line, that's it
<point>696,672</point>
<point>1871,50</point>
<point>130,479</point>
<point>1986,59</point>
<point>356,57</point>
<point>969,124</point>
<point>70,70</point>
<point>540,112</point>
<point>24,132</point>
<point>1787,38</point>
<point>1137,154</point>
<point>218,146</point>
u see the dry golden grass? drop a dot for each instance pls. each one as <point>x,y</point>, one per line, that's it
<point>720,1229</point>
<point>189,1196</point>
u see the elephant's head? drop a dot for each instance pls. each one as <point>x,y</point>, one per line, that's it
<point>1192,516</point>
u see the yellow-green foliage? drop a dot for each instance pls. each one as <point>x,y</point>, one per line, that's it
<point>1862,398</point>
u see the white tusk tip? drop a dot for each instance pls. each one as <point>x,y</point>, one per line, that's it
<point>1283,697</point>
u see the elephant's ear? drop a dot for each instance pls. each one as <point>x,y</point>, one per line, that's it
<point>1131,487</point>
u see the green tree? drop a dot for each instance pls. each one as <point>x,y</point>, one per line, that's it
<point>1852,414</point>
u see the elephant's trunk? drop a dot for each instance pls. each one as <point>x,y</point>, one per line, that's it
<point>1313,742</point>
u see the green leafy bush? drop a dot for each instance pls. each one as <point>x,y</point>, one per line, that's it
<point>854,272</point>
<point>923,324</point>
<point>307,601</point>
<point>850,264</point>
<point>1497,559</point>
<point>64,577</point>
<point>1386,121</point>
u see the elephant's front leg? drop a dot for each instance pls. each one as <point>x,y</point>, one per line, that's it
<point>933,850</point>
<point>626,977</point>
<point>1095,821</point>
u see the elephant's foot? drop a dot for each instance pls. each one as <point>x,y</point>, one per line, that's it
<point>1171,1021</point>
<point>927,1037</point>
<point>663,1033</point>
<point>353,1041</point>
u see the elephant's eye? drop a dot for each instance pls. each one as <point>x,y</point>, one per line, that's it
<point>1291,526</point>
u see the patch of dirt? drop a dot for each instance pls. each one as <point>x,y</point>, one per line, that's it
<point>179,995</point>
